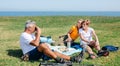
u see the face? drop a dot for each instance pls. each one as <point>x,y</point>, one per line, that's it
<point>79,23</point>
<point>32,28</point>
<point>84,26</point>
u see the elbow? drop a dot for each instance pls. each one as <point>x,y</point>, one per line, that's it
<point>35,43</point>
<point>82,38</point>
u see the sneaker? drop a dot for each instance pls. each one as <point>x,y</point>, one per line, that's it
<point>77,59</point>
<point>25,57</point>
<point>61,60</point>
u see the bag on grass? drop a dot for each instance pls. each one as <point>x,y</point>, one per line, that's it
<point>110,48</point>
<point>48,39</point>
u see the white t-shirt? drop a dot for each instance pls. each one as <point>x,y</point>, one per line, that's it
<point>25,40</point>
<point>87,35</point>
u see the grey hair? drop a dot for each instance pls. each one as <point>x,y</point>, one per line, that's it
<point>29,23</point>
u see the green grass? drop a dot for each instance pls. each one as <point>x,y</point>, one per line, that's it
<point>107,29</point>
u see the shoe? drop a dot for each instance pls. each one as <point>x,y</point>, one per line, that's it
<point>25,57</point>
<point>91,56</point>
<point>61,60</point>
<point>77,59</point>
<point>103,53</point>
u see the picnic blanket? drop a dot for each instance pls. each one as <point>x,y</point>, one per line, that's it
<point>63,50</point>
<point>66,51</point>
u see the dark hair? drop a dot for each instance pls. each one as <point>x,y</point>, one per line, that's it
<point>87,22</point>
<point>82,23</point>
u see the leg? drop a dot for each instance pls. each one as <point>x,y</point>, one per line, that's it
<point>74,43</point>
<point>55,55</point>
<point>64,39</point>
<point>46,50</point>
<point>90,52</point>
<point>62,55</point>
<point>32,55</point>
<point>52,54</point>
<point>97,47</point>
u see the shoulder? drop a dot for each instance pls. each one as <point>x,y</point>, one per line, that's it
<point>25,35</point>
<point>80,30</point>
<point>91,29</point>
<point>73,27</point>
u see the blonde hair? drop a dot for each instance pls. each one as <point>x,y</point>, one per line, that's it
<point>80,20</point>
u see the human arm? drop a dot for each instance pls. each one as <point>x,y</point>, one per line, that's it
<point>95,36</point>
<point>83,39</point>
<point>68,34</point>
<point>37,37</point>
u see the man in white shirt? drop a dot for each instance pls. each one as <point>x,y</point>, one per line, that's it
<point>33,49</point>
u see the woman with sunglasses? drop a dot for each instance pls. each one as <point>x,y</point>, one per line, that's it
<point>86,38</point>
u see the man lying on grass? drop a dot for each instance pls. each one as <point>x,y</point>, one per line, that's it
<point>33,49</point>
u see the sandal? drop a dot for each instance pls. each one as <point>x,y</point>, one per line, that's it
<point>91,56</point>
<point>25,57</point>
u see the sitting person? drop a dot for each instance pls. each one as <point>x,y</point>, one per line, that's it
<point>33,49</point>
<point>86,40</point>
<point>73,34</point>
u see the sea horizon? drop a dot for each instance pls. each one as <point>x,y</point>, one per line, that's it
<point>59,13</point>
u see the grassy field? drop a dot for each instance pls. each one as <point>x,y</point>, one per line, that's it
<point>107,29</point>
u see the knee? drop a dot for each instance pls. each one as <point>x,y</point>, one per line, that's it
<point>97,45</point>
<point>42,46</point>
<point>89,50</point>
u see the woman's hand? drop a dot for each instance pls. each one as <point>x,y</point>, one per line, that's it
<point>68,40</point>
<point>93,43</point>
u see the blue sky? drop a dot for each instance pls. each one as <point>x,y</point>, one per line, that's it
<point>59,5</point>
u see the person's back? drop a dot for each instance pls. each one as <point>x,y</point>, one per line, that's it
<point>74,33</point>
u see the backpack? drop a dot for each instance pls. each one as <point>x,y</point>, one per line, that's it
<point>48,39</point>
<point>110,48</point>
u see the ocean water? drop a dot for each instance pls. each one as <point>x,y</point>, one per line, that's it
<point>49,13</point>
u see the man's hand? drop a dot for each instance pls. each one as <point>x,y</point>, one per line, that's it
<point>38,30</point>
<point>37,35</point>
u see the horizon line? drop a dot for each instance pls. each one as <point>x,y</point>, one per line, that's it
<point>59,11</point>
